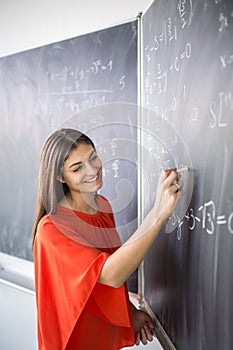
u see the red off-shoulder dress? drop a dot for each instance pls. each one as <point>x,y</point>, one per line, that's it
<point>75,311</point>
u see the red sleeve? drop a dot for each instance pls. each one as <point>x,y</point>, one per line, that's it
<point>114,304</point>
<point>66,274</point>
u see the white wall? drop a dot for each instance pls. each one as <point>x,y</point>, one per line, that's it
<point>27,24</point>
<point>17,304</point>
<point>17,318</point>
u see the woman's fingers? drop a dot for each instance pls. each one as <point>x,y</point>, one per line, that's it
<point>138,339</point>
<point>148,332</point>
<point>167,172</point>
<point>143,336</point>
<point>168,193</point>
<point>178,185</point>
<point>172,179</point>
<point>170,176</point>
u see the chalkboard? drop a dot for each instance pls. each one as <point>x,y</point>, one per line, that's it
<point>42,90</point>
<point>188,84</point>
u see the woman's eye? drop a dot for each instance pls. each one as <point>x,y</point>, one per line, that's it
<point>94,157</point>
<point>77,169</point>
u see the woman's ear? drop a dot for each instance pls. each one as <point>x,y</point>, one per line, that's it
<point>60,179</point>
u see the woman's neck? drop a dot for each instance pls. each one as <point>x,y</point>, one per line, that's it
<point>83,202</point>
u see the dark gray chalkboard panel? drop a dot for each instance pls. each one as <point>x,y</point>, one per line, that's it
<point>188,82</point>
<point>39,90</point>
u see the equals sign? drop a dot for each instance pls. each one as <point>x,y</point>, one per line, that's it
<point>221,220</point>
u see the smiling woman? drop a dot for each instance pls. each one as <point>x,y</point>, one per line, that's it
<point>80,265</point>
<point>82,173</point>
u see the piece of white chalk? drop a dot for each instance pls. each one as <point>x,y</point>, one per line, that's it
<point>181,170</point>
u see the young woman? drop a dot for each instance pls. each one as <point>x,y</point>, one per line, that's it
<point>80,265</point>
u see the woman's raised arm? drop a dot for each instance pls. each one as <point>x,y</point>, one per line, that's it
<point>122,263</point>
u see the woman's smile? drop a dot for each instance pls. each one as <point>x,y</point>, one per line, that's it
<point>92,180</point>
<point>82,171</point>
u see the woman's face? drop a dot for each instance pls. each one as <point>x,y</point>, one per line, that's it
<point>82,171</point>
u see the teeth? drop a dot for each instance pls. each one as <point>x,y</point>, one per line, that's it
<point>92,180</point>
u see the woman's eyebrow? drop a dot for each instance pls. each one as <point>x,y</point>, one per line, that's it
<point>78,163</point>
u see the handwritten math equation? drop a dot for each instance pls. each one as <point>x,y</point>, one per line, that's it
<point>217,110</point>
<point>168,33</point>
<point>169,30</point>
<point>185,11</point>
<point>71,78</point>
<point>161,70</point>
<point>226,60</point>
<point>66,72</point>
<point>68,85</point>
<point>157,81</point>
<point>206,218</point>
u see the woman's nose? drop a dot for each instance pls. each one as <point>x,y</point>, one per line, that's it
<point>90,169</point>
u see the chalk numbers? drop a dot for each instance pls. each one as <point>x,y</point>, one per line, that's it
<point>206,218</point>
